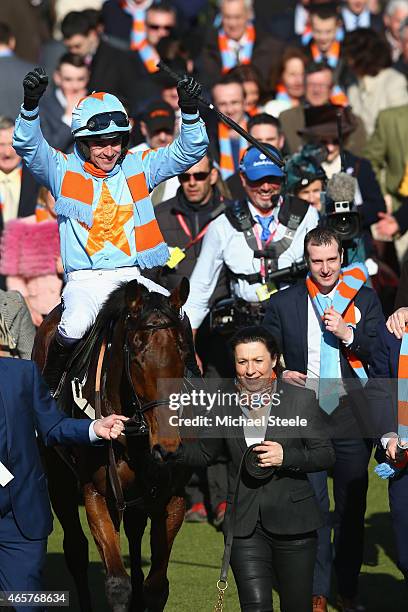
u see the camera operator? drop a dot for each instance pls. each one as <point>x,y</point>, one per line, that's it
<point>321,129</point>
<point>333,199</point>
<point>253,238</point>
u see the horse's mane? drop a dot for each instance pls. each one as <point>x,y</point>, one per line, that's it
<point>115,306</point>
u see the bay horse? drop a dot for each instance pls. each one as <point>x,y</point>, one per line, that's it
<point>141,340</point>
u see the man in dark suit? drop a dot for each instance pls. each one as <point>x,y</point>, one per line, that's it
<point>26,407</point>
<point>236,42</point>
<point>300,330</point>
<point>70,85</point>
<point>12,72</point>
<point>319,90</point>
<point>112,68</point>
<point>383,394</point>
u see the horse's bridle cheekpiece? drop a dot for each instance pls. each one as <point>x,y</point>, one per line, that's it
<point>151,304</point>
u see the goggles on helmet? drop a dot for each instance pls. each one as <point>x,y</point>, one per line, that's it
<point>102,121</point>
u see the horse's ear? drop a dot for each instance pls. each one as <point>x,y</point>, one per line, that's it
<point>179,295</point>
<point>134,296</point>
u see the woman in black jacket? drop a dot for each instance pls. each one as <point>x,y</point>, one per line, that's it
<point>276,517</point>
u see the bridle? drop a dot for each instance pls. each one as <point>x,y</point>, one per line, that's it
<point>138,426</point>
<point>152,304</point>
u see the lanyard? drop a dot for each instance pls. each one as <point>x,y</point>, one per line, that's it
<point>187,231</point>
<point>261,246</point>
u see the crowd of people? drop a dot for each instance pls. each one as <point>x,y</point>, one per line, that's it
<point>323,86</point>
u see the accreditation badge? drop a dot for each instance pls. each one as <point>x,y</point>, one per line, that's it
<point>176,255</point>
<point>265,291</point>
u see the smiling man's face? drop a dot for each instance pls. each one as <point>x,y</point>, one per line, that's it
<point>324,263</point>
<point>105,152</point>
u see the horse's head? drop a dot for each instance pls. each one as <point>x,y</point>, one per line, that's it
<point>156,346</point>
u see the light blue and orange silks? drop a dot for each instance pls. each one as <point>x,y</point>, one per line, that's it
<point>229,55</point>
<point>352,278</point>
<point>83,203</point>
<point>109,220</point>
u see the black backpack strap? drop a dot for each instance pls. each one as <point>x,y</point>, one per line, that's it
<point>239,215</point>
<point>292,212</point>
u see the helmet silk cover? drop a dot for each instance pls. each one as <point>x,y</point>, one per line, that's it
<point>97,104</point>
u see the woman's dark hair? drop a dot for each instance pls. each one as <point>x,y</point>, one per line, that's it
<point>248,72</point>
<point>258,333</point>
<point>290,53</point>
<point>366,52</point>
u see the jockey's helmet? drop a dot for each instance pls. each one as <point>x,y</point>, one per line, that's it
<point>99,115</point>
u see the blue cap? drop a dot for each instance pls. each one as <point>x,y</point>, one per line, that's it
<point>255,165</point>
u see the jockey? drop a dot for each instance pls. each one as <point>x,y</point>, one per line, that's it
<point>108,230</point>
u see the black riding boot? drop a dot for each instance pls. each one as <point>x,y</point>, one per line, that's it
<point>57,358</point>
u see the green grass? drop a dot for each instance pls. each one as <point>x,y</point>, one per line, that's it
<point>196,557</point>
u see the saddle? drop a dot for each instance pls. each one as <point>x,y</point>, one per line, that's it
<point>75,371</point>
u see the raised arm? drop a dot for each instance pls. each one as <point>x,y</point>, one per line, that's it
<point>45,163</point>
<point>187,149</point>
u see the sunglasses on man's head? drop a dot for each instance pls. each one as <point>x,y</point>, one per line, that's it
<point>198,176</point>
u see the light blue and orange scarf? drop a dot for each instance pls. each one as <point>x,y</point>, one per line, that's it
<point>403,387</point>
<point>77,197</point>
<point>332,55</point>
<point>228,54</point>
<point>338,96</point>
<point>227,166</point>
<point>352,278</point>
<point>138,39</point>
<point>282,93</point>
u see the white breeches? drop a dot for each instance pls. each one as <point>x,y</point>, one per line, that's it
<point>87,290</point>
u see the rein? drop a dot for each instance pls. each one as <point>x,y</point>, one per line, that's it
<point>140,425</point>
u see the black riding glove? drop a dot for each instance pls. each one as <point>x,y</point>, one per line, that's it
<point>187,90</point>
<point>34,84</point>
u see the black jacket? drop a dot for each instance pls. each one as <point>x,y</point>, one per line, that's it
<point>56,132</point>
<point>266,55</point>
<point>373,201</point>
<point>196,218</point>
<point>286,318</point>
<point>122,73</point>
<point>28,196</point>
<point>285,501</point>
